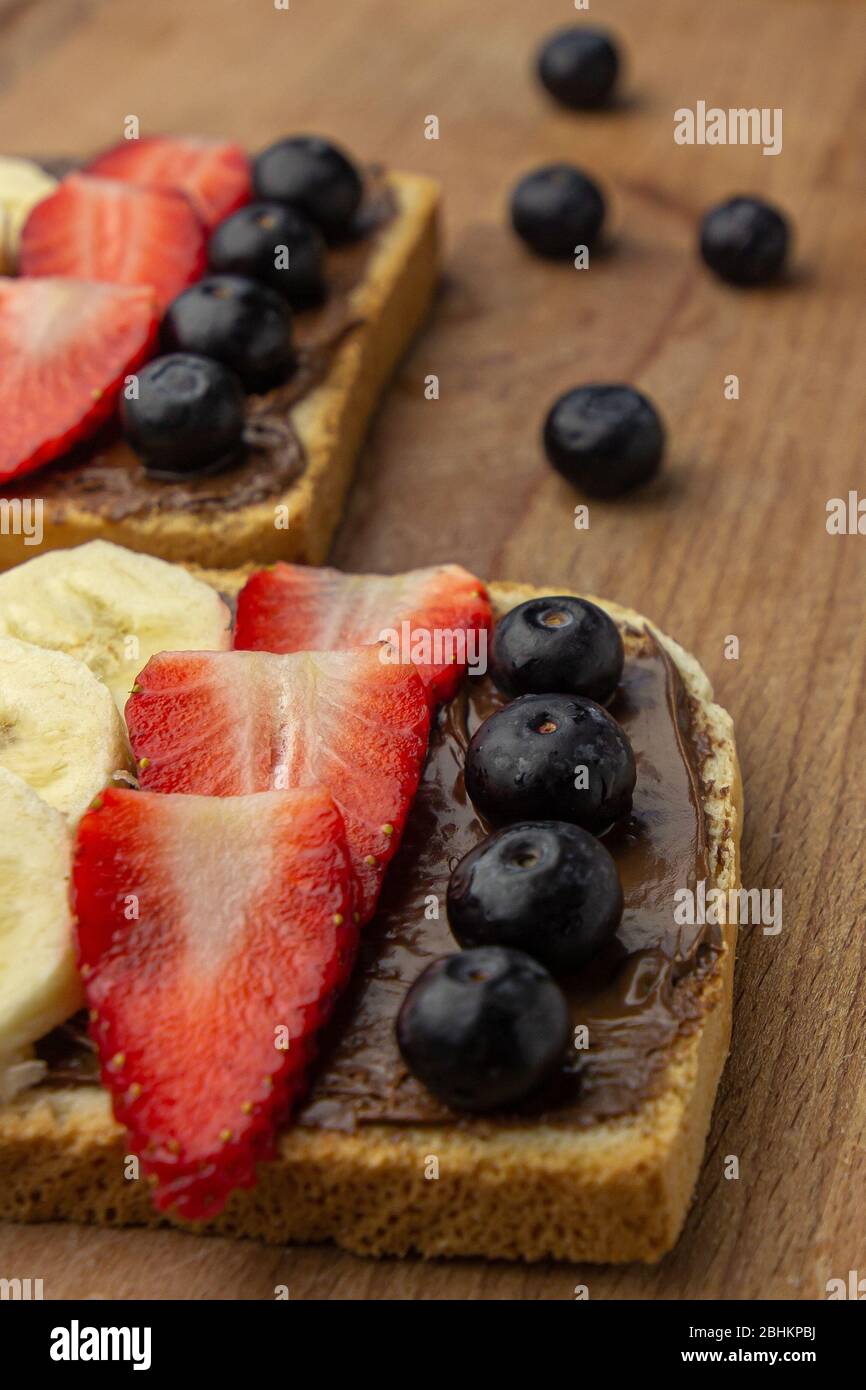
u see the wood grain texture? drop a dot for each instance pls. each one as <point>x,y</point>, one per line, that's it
<point>731,541</point>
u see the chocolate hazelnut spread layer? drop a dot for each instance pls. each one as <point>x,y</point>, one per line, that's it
<point>107,477</point>
<point>635,998</point>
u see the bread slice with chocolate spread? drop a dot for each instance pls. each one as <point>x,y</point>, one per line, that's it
<point>603,1172</point>
<point>285,499</point>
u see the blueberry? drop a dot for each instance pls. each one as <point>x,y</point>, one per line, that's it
<point>555,209</point>
<point>481,1029</point>
<point>259,238</point>
<point>551,757</point>
<point>188,416</point>
<point>604,439</point>
<point>244,325</point>
<point>745,241</point>
<point>546,887</point>
<point>313,175</point>
<point>564,644</point>
<point>579,66</point>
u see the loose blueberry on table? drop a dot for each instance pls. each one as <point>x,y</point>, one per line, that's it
<point>561,643</point>
<point>579,67</point>
<point>556,209</point>
<point>604,438</point>
<point>745,241</point>
<point>530,760</point>
<point>546,887</point>
<point>482,1029</point>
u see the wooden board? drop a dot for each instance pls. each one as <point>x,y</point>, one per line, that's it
<point>731,541</point>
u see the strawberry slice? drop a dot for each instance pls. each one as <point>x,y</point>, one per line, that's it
<point>230,723</point>
<point>214,174</point>
<point>65,348</point>
<point>99,229</point>
<point>441,616</point>
<point>213,936</point>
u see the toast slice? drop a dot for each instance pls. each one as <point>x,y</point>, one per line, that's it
<point>616,1190</point>
<point>297,520</point>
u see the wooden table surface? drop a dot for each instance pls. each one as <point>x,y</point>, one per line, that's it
<point>732,540</point>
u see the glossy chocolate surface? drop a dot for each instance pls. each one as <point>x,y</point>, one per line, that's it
<point>634,998</point>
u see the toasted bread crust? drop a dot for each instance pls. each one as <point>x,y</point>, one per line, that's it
<point>331,421</point>
<point>614,1192</point>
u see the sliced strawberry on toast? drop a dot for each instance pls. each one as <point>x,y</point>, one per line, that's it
<point>65,348</point>
<point>441,616</point>
<point>214,174</point>
<point>213,937</point>
<point>100,229</point>
<point>230,723</point>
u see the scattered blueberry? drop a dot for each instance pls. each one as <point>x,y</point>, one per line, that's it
<point>558,643</point>
<point>579,66</point>
<point>313,175</point>
<point>531,759</point>
<point>481,1029</point>
<point>188,417</point>
<point>555,209</point>
<point>545,887</point>
<point>244,325</point>
<point>604,439</point>
<point>745,241</point>
<point>272,243</point>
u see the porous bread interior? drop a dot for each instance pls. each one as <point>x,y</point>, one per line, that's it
<point>616,1191</point>
<point>391,303</point>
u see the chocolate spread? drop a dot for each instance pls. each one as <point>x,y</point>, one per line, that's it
<point>105,476</point>
<point>635,998</point>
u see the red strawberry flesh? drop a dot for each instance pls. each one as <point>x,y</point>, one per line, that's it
<point>214,174</point>
<point>99,229</point>
<point>230,723</point>
<point>292,608</point>
<point>65,348</point>
<point>210,932</point>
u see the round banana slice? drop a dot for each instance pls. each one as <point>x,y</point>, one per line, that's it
<point>39,982</point>
<point>60,731</point>
<point>23,184</point>
<point>112,608</point>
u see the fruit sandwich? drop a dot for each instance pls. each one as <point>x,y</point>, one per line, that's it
<point>335,913</point>
<point>194,342</point>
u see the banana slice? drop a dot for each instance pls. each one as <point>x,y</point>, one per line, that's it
<point>22,185</point>
<point>60,731</point>
<point>112,608</point>
<point>19,1072</point>
<point>39,982</point>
